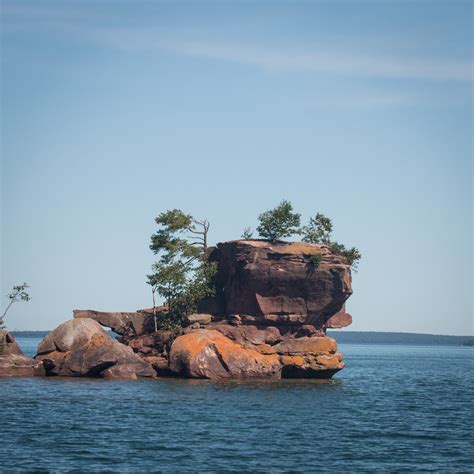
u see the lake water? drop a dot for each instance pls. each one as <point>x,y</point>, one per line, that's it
<point>393,408</point>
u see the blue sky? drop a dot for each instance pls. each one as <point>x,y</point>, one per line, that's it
<point>115,111</point>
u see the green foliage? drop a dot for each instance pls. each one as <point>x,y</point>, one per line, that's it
<point>318,231</point>
<point>17,294</point>
<point>279,222</point>
<point>247,234</point>
<point>182,276</point>
<point>352,255</point>
<point>315,260</point>
<point>171,237</point>
<point>283,222</point>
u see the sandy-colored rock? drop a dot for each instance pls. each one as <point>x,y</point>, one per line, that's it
<point>265,349</point>
<point>20,366</point>
<point>13,363</point>
<point>292,360</point>
<point>307,345</point>
<point>329,360</point>
<point>311,366</point>
<point>208,354</point>
<point>8,345</point>
<point>81,347</point>
<point>201,318</point>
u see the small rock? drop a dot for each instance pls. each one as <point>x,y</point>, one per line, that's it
<point>201,318</point>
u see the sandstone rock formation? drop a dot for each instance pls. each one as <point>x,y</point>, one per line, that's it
<point>260,353</point>
<point>12,360</point>
<point>136,324</point>
<point>279,283</point>
<point>339,320</point>
<point>268,319</point>
<point>208,354</point>
<point>80,347</point>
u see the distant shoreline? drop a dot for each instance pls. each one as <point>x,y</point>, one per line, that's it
<point>358,337</point>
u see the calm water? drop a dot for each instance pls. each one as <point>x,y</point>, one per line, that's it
<point>394,408</point>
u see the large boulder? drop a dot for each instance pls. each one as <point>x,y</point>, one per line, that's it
<point>309,357</point>
<point>81,347</point>
<point>204,353</point>
<point>13,362</point>
<point>279,283</point>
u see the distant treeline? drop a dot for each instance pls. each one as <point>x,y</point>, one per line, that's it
<point>357,337</point>
<point>29,333</point>
<point>360,337</point>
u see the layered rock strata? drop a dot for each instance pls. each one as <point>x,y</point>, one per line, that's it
<point>278,283</point>
<point>268,318</point>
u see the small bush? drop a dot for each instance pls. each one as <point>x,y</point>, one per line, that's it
<point>315,260</point>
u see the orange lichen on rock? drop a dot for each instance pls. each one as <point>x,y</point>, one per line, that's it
<point>292,360</point>
<point>307,345</point>
<point>209,354</point>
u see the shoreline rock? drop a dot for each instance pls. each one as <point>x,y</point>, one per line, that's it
<point>268,319</point>
<point>81,348</point>
<point>13,363</point>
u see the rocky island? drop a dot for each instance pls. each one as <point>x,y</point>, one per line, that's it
<point>267,318</point>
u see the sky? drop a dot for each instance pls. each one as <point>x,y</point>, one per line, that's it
<point>113,112</point>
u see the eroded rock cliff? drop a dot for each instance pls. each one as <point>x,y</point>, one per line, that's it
<point>268,319</point>
<point>279,283</point>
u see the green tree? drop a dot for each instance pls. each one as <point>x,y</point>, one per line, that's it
<point>352,255</point>
<point>182,276</point>
<point>17,294</point>
<point>247,234</point>
<point>319,230</point>
<point>279,222</point>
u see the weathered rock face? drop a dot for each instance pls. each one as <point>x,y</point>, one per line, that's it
<point>268,319</point>
<point>279,283</point>
<point>80,347</point>
<point>339,320</point>
<point>208,354</point>
<point>129,324</point>
<point>13,362</point>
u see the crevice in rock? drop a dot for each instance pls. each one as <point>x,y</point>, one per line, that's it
<point>220,358</point>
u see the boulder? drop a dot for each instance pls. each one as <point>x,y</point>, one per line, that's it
<point>278,283</point>
<point>81,347</point>
<point>310,366</point>
<point>204,353</point>
<point>199,318</point>
<point>309,357</point>
<point>13,363</point>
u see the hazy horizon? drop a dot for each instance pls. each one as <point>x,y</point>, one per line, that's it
<point>112,114</point>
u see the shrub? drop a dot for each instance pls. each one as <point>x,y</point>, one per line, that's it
<point>279,222</point>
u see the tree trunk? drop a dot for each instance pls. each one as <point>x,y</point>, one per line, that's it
<point>154,309</point>
<point>5,312</point>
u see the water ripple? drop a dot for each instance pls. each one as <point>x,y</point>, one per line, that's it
<point>393,408</point>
